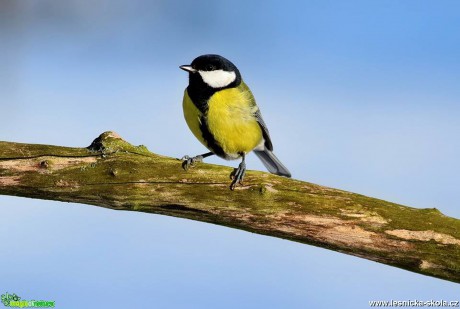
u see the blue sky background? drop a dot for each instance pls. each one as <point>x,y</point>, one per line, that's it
<point>358,95</point>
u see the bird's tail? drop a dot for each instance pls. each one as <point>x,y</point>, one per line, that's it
<point>272,163</point>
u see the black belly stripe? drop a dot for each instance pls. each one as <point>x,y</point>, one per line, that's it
<point>200,98</point>
<point>209,138</point>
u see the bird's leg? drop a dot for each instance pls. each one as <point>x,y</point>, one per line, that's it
<point>237,175</point>
<point>188,161</point>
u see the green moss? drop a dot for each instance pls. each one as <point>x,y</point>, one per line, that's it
<point>131,178</point>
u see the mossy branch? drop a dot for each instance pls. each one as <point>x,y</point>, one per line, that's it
<point>114,174</point>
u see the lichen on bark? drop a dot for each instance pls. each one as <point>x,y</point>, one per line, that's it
<point>115,174</point>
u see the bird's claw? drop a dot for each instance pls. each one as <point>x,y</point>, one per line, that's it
<point>237,175</point>
<point>190,161</point>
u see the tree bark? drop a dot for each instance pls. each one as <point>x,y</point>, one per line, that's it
<point>115,174</point>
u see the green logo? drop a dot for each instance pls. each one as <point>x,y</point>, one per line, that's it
<point>12,300</point>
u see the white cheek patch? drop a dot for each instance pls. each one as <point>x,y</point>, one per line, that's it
<point>218,78</point>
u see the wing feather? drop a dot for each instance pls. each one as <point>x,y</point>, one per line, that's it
<point>258,115</point>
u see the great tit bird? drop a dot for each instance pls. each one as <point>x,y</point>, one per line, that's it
<point>223,115</point>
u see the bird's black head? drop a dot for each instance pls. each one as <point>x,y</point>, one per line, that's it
<point>212,71</point>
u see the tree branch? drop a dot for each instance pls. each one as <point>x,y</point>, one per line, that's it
<point>114,174</point>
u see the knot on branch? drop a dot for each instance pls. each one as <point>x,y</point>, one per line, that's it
<point>101,142</point>
<point>110,141</point>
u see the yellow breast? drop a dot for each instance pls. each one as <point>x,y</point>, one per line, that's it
<point>192,116</point>
<point>231,120</point>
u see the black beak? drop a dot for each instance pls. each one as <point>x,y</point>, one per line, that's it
<point>188,68</point>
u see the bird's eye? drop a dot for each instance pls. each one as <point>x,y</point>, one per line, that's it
<point>209,67</point>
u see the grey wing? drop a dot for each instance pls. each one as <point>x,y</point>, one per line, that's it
<point>265,133</point>
<point>268,142</point>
